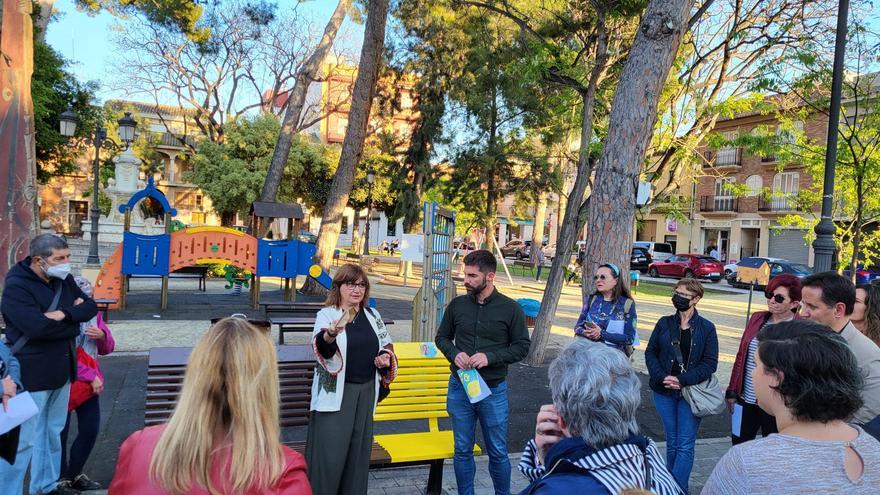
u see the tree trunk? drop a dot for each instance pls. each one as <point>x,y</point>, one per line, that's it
<point>857,231</point>
<point>630,126</point>
<point>538,231</point>
<point>568,227</point>
<point>227,219</point>
<point>297,97</point>
<point>18,168</point>
<point>356,233</point>
<point>42,21</point>
<point>353,145</point>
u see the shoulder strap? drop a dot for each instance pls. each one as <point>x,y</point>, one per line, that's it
<point>676,346</point>
<point>23,339</point>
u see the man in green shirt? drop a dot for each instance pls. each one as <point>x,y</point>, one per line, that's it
<point>483,330</point>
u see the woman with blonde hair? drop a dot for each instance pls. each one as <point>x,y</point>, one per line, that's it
<point>355,356</point>
<point>223,436</point>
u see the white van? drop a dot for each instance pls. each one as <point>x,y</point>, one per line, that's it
<point>659,251</point>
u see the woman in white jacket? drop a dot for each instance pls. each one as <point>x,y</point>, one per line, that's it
<point>355,356</point>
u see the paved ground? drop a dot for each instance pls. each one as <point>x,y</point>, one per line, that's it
<point>143,326</point>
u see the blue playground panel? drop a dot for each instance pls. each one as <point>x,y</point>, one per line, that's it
<point>284,258</point>
<point>145,254</point>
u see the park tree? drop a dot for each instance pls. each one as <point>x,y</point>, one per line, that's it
<point>252,50</point>
<point>353,144</point>
<point>292,123</point>
<point>804,98</point>
<point>54,90</point>
<point>231,173</point>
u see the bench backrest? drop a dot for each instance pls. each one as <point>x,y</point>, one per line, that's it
<point>419,391</point>
<point>167,365</point>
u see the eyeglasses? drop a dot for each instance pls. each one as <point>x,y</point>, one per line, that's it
<point>681,294</point>
<point>779,298</point>
<point>602,277</point>
<point>355,285</point>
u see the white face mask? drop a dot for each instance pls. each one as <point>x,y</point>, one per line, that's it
<point>60,271</point>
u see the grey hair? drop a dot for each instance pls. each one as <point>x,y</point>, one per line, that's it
<point>596,392</point>
<point>44,245</point>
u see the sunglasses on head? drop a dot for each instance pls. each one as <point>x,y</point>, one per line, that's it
<point>779,298</point>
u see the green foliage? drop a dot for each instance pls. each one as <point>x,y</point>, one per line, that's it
<point>232,173</point>
<point>856,200</point>
<point>182,15</point>
<point>105,202</point>
<point>54,90</point>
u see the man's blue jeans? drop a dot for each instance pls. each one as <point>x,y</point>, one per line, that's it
<point>681,435</point>
<point>492,413</point>
<point>39,445</point>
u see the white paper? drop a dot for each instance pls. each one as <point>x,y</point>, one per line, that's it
<point>21,408</point>
<point>736,420</point>
<point>615,326</point>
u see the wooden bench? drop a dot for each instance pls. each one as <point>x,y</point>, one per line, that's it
<point>523,264</point>
<point>352,257</point>
<point>291,308</point>
<point>190,272</point>
<point>418,393</point>
<point>299,324</point>
<point>104,307</point>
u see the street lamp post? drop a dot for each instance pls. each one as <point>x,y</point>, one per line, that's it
<point>824,245</point>
<point>371,178</point>
<point>99,140</point>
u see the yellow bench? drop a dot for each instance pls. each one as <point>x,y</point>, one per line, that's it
<point>419,392</point>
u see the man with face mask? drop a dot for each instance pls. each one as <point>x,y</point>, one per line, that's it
<point>43,307</point>
<point>486,331</point>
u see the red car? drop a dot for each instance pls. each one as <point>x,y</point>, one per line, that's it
<point>688,266</point>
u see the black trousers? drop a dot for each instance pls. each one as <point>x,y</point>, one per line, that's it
<point>753,419</point>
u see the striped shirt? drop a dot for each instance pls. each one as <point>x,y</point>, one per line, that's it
<point>617,468</point>
<point>748,394</point>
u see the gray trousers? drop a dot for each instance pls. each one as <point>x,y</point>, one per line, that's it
<point>339,443</point>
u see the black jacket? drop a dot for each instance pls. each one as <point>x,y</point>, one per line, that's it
<point>48,360</point>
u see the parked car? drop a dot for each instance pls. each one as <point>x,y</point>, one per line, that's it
<point>307,237</point>
<point>777,267</point>
<point>640,259</point>
<point>863,275</point>
<point>688,266</point>
<point>731,267</point>
<point>517,248</point>
<point>659,251</point>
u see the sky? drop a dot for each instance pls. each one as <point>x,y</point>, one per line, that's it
<point>86,40</point>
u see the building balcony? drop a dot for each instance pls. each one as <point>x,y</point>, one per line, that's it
<point>719,204</point>
<point>779,204</point>
<point>171,140</point>
<point>725,158</point>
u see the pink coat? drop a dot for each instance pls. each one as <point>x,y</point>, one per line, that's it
<point>133,470</point>
<point>105,346</point>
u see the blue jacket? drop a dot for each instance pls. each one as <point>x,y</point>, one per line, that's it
<point>593,311</point>
<point>48,361</point>
<point>659,354</point>
<point>564,475</point>
<point>9,366</point>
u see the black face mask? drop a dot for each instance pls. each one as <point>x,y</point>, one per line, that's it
<point>681,303</point>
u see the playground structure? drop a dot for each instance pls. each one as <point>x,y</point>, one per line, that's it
<point>159,255</point>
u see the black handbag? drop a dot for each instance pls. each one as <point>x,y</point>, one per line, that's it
<point>9,444</point>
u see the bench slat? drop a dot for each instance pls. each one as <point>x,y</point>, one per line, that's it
<point>410,447</point>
